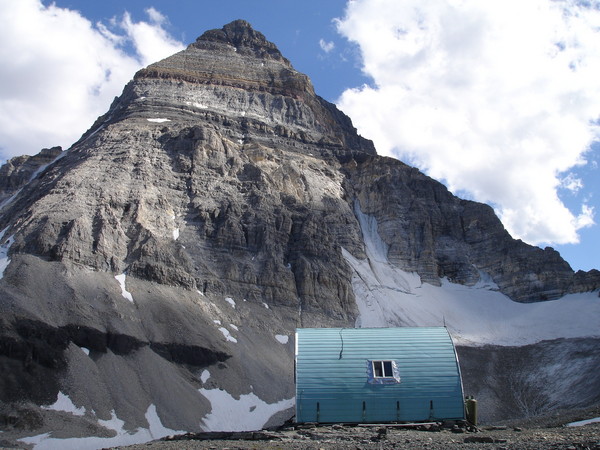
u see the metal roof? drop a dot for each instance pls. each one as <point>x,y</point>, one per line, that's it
<point>333,383</point>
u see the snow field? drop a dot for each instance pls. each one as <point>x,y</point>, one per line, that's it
<point>246,414</point>
<point>64,403</point>
<point>583,422</point>
<point>4,248</point>
<point>156,430</point>
<point>477,315</point>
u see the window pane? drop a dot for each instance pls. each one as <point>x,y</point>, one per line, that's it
<point>387,369</point>
<point>377,368</point>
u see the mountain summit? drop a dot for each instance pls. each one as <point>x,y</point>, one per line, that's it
<point>237,73</point>
<point>240,35</point>
<point>155,272</point>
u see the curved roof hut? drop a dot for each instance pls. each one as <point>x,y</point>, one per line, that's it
<point>373,375</point>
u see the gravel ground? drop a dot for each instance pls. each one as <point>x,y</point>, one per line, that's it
<point>328,438</point>
<point>545,432</point>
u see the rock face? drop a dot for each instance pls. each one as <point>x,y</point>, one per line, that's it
<point>201,216</point>
<point>19,171</point>
<point>433,233</point>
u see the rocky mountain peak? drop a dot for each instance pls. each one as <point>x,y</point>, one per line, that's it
<point>235,76</point>
<point>235,56</point>
<point>240,35</point>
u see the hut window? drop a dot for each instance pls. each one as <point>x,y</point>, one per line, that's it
<point>383,372</point>
<point>382,369</point>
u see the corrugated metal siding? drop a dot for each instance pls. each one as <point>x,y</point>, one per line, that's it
<point>332,381</point>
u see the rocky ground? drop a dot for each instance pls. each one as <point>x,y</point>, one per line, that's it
<point>544,432</point>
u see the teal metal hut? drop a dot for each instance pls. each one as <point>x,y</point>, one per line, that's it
<point>373,375</point>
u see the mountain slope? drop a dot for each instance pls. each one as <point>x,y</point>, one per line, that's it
<point>158,268</point>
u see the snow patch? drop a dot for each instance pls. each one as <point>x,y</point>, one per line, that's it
<point>45,166</point>
<point>101,127</point>
<point>124,292</point>
<point>204,376</point>
<point>85,350</point>
<point>176,233</point>
<point>246,414</point>
<point>114,423</point>
<point>197,105</point>
<point>218,322</point>
<point>583,422</point>
<point>233,327</point>
<point>200,292</point>
<point>282,338</point>
<point>4,248</point>
<point>230,301</point>
<point>64,403</point>
<point>156,430</point>
<point>227,334</point>
<point>265,305</point>
<point>10,199</point>
<point>478,315</point>
<point>158,120</point>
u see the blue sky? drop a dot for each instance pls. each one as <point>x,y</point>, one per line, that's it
<point>498,100</point>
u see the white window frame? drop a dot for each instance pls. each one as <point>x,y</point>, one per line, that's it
<point>387,370</point>
<point>388,377</point>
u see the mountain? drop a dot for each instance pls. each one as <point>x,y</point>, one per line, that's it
<point>153,274</point>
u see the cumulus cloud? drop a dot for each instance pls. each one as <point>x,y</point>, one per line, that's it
<point>60,71</point>
<point>497,99</point>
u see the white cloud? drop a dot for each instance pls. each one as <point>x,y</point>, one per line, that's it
<point>586,218</point>
<point>497,99</point>
<point>60,72</point>
<point>326,46</point>
<point>571,183</point>
<point>152,42</point>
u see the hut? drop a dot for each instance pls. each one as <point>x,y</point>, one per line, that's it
<point>375,375</point>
